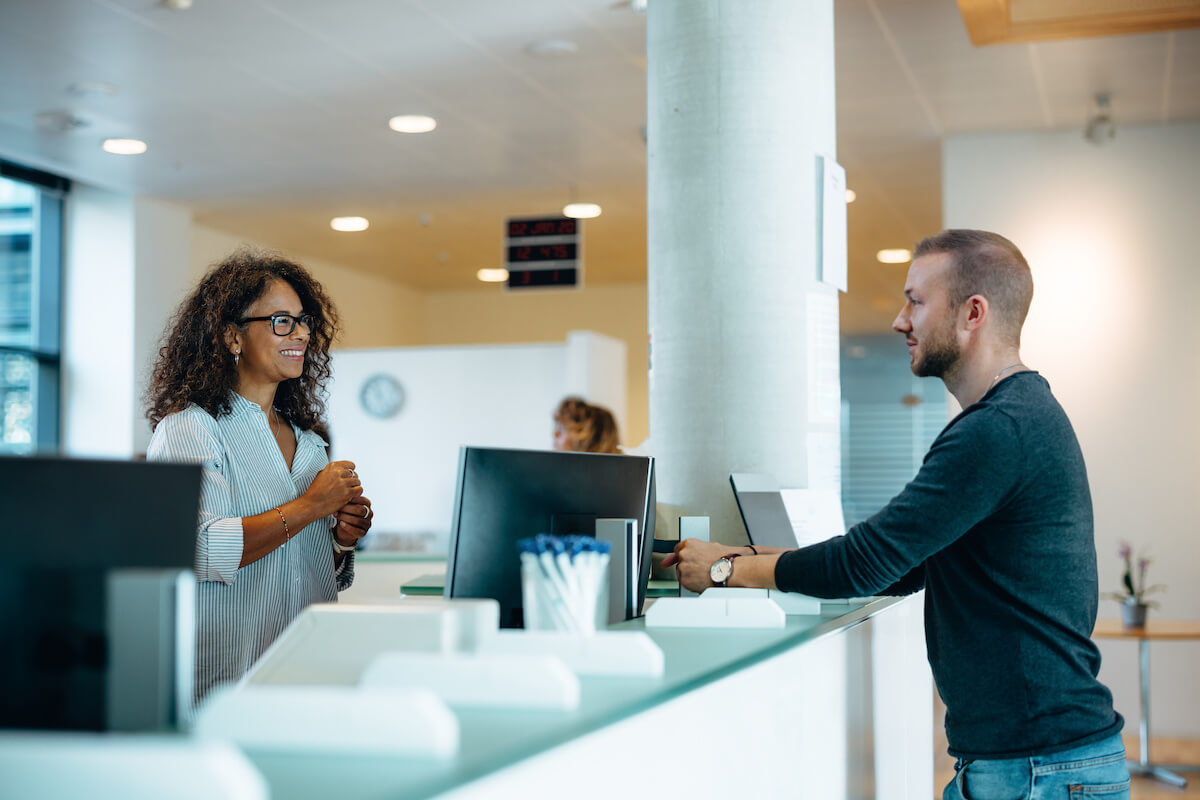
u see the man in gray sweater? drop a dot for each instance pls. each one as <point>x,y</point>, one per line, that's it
<point>996,527</point>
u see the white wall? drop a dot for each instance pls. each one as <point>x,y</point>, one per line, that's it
<point>376,312</point>
<point>596,372</point>
<point>485,395</point>
<point>1110,233</point>
<point>162,244</point>
<point>124,271</point>
<point>488,314</point>
<point>97,323</point>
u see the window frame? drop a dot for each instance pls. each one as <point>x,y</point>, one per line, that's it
<point>46,274</point>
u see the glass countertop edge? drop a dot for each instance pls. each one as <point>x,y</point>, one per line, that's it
<point>386,556</point>
<point>466,770</point>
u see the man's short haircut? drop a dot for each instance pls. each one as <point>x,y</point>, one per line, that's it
<point>986,264</point>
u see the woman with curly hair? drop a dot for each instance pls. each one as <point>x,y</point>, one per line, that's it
<point>237,388</point>
<point>585,428</point>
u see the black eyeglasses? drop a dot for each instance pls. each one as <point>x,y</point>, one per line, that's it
<point>283,324</point>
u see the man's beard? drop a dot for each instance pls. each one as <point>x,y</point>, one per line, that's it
<point>940,357</point>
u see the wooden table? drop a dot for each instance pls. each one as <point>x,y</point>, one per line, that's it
<point>1155,629</point>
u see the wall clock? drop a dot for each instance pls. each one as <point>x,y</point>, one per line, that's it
<point>381,396</point>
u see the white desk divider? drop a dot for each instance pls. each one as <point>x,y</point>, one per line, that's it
<point>608,653</point>
<point>477,618</point>
<point>129,766</point>
<point>412,723</point>
<point>790,602</point>
<point>488,680</point>
<point>332,643</point>
<point>707,612</point>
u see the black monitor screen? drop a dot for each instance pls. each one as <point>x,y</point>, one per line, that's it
<point>507,495</point>
<point>67,525</point>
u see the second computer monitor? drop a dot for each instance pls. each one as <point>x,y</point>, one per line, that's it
<point>763,511</point>
<point>507,495</point>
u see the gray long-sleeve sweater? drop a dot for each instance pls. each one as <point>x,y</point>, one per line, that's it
<point>997,527</point>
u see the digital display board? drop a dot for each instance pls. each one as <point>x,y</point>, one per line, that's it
<point>543,253</point>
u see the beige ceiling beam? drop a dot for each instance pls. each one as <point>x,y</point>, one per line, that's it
<point>1011,21</point>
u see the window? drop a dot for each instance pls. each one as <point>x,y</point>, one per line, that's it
<point>30,305</point>
<point>889,420</point>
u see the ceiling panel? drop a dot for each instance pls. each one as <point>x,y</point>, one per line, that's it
<point>268,117</point>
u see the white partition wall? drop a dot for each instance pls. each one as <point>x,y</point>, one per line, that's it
<point>483,395</point>
<point>125,271</point>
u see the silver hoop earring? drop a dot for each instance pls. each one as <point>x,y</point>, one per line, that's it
<point>236,358</point>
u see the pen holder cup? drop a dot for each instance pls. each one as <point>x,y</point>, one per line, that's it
<point>558,603</point>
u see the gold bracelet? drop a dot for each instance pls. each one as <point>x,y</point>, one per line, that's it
<point>286,533</point>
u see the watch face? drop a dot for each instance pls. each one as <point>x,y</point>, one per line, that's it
<point>381,396</point>
<point>720,570</point>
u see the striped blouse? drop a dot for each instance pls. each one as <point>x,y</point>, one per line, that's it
<point>239,612</point>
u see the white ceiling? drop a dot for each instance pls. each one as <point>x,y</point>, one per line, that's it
<point>268,117</point>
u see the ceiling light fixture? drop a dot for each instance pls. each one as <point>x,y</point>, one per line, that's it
<point>412,123</point>
<point>581,210</point>
<point>499,275</point>
<point>893,256</point>
<point>851,196</point>
<point>124,147</point>
<point>1100,128</point>
<point>349,224</point>
<point>177,5</point>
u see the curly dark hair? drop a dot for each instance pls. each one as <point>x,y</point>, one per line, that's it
<point>194,363</point>
<point>591,428</point>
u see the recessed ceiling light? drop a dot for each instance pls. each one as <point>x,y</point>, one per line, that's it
<point>177,5</point>
<point>581,210</point>
<point>412,123</point>
<point>894,256</point>
<point>124,147</point>
<point>551,47</point>
<point>348,224</point>
<point>851,196</point>
<point>499,275</point>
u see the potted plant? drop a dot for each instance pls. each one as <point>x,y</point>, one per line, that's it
<point>1133,602</point>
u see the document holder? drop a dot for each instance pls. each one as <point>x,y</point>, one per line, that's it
<point>624,561</point>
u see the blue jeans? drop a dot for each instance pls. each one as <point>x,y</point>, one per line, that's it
<point>1093,771</point>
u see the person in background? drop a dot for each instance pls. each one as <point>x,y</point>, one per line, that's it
<point>237,388</point>
<point>996,527</point>
<point>584,428</point>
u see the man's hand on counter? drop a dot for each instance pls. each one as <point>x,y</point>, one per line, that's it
<point>694,558</point>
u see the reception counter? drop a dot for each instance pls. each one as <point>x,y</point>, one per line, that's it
<point>832,705</point>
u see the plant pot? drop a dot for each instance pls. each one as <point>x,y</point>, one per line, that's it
<point>1133,613</point>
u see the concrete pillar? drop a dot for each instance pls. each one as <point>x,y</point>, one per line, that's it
<point>743,374</point>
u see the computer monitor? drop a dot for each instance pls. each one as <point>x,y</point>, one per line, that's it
<point>762,509</point>
<point>507,495</point>
<point>97,615</point>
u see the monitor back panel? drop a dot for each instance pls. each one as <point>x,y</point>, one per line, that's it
<point>69,524</point>
<point>763,511</point>
<point>507,495</point>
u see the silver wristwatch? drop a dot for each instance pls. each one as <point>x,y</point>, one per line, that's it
<point>722,569</point>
